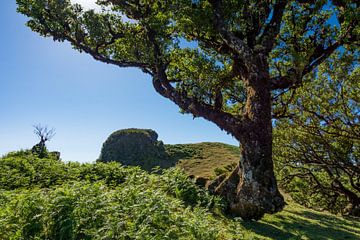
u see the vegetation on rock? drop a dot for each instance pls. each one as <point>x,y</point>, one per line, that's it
<point>135,147</point>
<point>140,147</point>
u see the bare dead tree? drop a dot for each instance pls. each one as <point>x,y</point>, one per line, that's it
<point>45,134</point>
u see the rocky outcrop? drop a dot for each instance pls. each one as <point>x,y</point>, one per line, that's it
<point>135,147</point>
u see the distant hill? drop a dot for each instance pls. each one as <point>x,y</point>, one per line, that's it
<point>141,147</point>
<point>205,160</point>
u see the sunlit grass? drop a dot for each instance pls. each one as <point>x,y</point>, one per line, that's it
<point>50,199</point>
<point>203,159</point>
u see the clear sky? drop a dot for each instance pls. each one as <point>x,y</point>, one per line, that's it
<point>47,82</point>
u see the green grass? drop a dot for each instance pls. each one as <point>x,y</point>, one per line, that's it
<point>297,222</point>
<point>50,199</point>
<point>206,159</point>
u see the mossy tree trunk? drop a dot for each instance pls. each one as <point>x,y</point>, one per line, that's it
<point>251,188</point>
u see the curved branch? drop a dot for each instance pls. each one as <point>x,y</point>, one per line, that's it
<point>318,57</point>
<point>290,80</point>
<point>162,85</point>
<point>223,120</point>
<point>294,79</point>
<point>78,43</point>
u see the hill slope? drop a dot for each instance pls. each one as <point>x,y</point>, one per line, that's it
<point>204,160</point>
<point>50,199</point>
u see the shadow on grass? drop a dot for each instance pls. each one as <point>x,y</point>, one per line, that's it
<point>268,230</point>
<point>304,224</point>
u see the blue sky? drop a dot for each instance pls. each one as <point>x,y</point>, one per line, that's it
<point>47,82</point>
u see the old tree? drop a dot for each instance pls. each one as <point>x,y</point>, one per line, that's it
<point>221,60</point>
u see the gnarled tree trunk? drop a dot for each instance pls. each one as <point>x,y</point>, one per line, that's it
<point>251,188</point>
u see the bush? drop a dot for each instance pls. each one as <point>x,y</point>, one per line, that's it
<point>24,169</point>
<point>178,184</point>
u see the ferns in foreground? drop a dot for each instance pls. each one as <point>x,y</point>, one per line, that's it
<point>103,201</point>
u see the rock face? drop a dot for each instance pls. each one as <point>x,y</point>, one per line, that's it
<point>135,147</point>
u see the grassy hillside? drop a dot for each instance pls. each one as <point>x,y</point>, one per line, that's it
<point>206,159</point>
<point>50,199</point>
<point>297,222</point>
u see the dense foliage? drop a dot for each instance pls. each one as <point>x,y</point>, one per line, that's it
<point>317,150</point>
<point>49,199</point>
<point>206,47</point>
<point>109,201</point>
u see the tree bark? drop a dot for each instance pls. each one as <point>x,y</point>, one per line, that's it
<point>251,188</point>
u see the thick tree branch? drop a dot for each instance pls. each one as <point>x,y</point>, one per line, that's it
<point>224,120</point>
<point>272,29</point>
<point>291,79</point>
<point>294,78</point>
<point>318,57</point>
<point>161,83</point>
<point>94,52</point>
<point>337,185</point>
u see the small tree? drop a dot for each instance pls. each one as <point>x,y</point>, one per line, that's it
<point>317,150</point>
<point>44,134</point>
<point>244,51</point>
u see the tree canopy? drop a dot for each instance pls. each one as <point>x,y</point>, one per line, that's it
<point>194,45</point>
